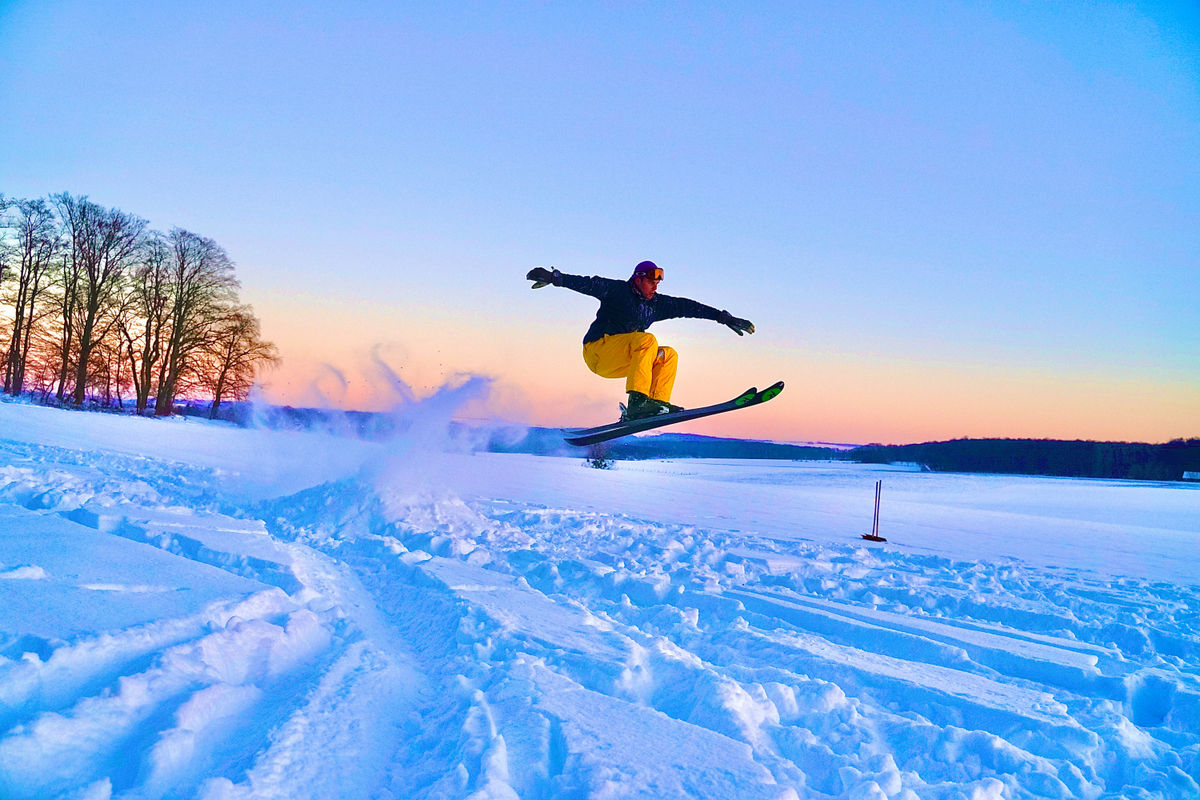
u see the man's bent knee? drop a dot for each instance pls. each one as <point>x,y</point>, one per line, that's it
<point>641,341</point>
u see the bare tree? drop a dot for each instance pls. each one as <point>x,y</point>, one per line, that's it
<point>67,282</point>
<point>108,360</point>
<point>144,326</point>
<point>235,354</point>
<point>6,255</point>
<point>66,279</point>
<point>201,283</point>
<point>5,250</point>
<point>37,243</point>
<point>105,374</point>
<point>103,244</point>
<point>42,367</point>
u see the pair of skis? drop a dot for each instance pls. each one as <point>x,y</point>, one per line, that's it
<point>603,433</point>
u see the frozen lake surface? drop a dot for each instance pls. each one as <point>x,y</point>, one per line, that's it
<point>196,610</point>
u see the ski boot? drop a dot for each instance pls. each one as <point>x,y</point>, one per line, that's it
<point>640,406</point>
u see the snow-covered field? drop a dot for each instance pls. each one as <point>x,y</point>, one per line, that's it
<point>196,610</point>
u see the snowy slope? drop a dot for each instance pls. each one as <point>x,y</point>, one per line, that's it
<point>196,610</point>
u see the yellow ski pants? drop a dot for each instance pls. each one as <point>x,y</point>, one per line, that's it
<point>646,367</point>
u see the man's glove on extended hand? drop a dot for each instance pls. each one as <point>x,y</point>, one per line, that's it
<point>543,277</point>
<point>736,324</point>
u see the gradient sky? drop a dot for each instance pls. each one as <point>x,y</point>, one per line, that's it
<point>945,219</point>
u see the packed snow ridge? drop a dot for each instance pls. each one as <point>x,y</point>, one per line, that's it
<point>189,609</point>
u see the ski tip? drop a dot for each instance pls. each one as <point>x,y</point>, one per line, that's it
<point>746,396</point>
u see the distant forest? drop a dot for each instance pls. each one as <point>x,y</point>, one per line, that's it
<point>1077,459</point>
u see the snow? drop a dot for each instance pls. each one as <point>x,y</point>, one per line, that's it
<point>190,609</point>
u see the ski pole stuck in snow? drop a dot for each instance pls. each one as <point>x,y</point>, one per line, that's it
<point>874,536</point>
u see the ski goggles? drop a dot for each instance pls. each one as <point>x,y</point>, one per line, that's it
<point>655,274</point>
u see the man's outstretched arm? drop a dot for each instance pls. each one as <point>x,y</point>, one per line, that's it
<point>675,307</point>
<point>594,286</point>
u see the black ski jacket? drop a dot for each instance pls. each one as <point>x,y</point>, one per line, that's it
<point>624,310</point>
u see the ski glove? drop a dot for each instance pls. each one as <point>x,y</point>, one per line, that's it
<point>544,277</point>
<point>736,324</point>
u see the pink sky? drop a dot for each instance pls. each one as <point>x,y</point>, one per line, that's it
<point>830,397</point>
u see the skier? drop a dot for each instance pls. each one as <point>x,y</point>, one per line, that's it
<point>617,344</point>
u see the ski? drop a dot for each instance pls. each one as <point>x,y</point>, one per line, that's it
<point>614,430</point>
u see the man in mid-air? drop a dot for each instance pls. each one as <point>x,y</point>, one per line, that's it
<point>617,344</point>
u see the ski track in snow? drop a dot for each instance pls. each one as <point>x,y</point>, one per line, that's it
<point>169,632</point>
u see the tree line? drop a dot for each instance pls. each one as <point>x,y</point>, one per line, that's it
<point>97,307</point>
<point>1077,459</point>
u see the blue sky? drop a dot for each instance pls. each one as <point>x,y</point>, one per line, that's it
<point>945,219</point>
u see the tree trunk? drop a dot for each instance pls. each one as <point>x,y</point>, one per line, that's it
<point>164,403</point>
<point>85,352</point>
<point>218,390</point>
<point>62,379</point>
